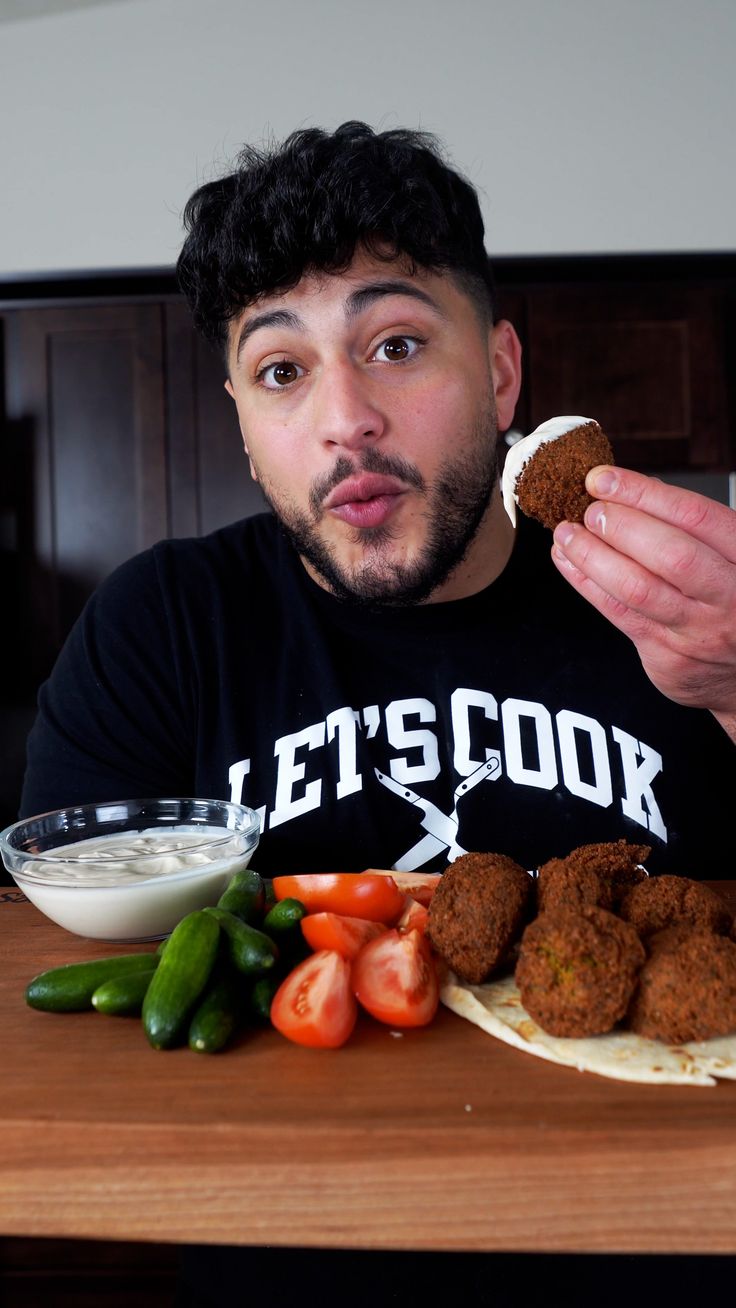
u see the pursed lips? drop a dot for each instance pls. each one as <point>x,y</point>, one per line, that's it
<point>366,500</point>
<point>365,487</point>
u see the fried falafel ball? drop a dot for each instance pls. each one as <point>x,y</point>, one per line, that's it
<point>687,987</point>
<point>591,874</point>
<point>617,863</point>
<point>577,970</point>
<point>562,886</point>
<point>545,472</point>
<point>662,901</point>
<point>670,937</point>
<point>477,913</point>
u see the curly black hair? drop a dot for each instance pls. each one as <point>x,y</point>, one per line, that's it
<point>307,204</point>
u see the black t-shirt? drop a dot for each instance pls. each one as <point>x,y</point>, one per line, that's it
<point>517,720</point>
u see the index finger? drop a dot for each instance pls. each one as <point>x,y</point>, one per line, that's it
<point>704,519</point>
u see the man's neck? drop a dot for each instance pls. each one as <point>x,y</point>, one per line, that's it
<point>486,558</point>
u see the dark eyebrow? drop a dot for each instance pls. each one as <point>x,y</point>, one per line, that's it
<point>356,303</point>
<point>367,295</point>
<point>269,318</point>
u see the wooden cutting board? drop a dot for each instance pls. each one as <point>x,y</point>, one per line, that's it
<point>439,1138</point>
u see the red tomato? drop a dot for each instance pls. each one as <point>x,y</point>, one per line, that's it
<point>352,894</point>
<point>315,1005</point>
<point>394,978</point>
<point>414,917</point>
<point>420,885</point>
<point>346,935</point>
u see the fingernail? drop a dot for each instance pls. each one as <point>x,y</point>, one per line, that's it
<point>604,483</point>
<point>563,534</point>
<point>595,518</point>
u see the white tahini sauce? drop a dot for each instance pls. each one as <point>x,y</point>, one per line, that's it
<point>520,454</point>
<point>134,886</point>
<point>118,859</point>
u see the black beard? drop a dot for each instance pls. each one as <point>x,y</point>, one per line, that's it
<point>456,503</point>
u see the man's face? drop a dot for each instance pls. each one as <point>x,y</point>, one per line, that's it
<point>368,404</point>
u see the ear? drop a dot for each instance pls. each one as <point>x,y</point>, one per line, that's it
<point>231,393</point>
<point>505,357</point>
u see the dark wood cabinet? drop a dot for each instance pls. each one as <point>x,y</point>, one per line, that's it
<point>85,412</point>
<point>645,344</point>
<point>122,433</point>
<point>647,362</point>
<point>209,476</point>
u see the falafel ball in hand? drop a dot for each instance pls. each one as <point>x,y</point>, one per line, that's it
<point>545,472</point>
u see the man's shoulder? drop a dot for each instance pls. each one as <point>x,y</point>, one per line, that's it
<point>254,537</point>
<point>250,552</point>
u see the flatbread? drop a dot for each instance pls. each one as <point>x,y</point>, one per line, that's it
<point>622,1055</point>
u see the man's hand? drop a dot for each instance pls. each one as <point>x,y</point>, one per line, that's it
<point>660,563</point>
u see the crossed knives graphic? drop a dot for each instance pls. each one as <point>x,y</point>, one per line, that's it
<point>441,828</point>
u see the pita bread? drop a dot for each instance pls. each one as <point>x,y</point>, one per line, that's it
<point>622,1055</point>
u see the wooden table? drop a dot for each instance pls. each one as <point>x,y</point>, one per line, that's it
<point>441,1138</point>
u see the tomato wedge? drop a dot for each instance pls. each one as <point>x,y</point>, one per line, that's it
<point>394,978</point>
<point>420,885</point>
<point>346,935</point>
<point>315,1005</point>
<point>353,894</point>
<point>414,917</point>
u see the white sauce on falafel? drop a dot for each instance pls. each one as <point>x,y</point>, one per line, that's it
<point>525,449</point>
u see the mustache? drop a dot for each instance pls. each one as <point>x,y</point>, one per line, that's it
<point>372,460</point>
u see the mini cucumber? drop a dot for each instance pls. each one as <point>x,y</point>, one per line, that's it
<point>69,989</point>
<point>180,978</point>
<point>251,952</point>
<point>285,916</point>
<point>261,997</point>
<point>244,896</point>
<point>282,923</point>
<point>122,996</point>
<point>219,1012</point>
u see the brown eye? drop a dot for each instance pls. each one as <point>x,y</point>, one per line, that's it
<point>279,375</point>
<point>396,347</point>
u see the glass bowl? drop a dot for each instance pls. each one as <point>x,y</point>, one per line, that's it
<point>152,862</point>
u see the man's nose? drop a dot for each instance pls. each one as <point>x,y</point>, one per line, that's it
<point>346,413</point>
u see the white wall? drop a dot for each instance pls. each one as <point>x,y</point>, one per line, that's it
<point>589,125</point>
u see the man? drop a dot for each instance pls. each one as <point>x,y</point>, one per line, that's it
<point>393,675</point>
